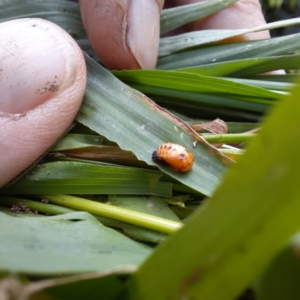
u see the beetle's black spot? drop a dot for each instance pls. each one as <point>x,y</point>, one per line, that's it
<point>170,147</point>
<point>154,156</point>
<point>182,155</point>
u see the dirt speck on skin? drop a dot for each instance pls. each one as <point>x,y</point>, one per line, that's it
<point>22,208</point>
<point>50,86</point>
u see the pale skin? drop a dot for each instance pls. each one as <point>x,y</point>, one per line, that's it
<point>40,100</point>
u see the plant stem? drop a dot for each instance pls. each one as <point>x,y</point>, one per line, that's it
<point>228,138</point>
<point>114,212</point>
<point>232,151</point>
<point>51,209</point>
<point>34,205</point>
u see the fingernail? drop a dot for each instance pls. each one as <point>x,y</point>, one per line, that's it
<point>33,64</point>
<point>143,31</point>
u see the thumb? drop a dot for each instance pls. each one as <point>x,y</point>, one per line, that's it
<point>124,34</point>
<point>42,81</point>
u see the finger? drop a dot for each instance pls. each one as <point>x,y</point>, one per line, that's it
<point>241,15</point>
<point>123,33</point>
<point>42,83</point>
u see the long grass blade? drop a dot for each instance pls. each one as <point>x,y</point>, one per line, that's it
<point>248,67</point>
<point>87,178</point>
<point>188,40</point>
<point>175,17</point>
<point>228,52</point>
<point>184,81</point>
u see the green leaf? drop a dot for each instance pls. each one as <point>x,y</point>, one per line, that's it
<point>183,81</point>
<point>196,105</point>
<point>73,141</point>
<point>198,89</point>
<point>175,17</point>
<point>188,40</point>
<point>151,205</point>
<point>247,67</point>
<point>89,178</point>
<point>241,228</point>
<point>274,86</point>
<point>137,124</point>
<point>70,243</point>
<point>281,280</point>
<point>227,52</point>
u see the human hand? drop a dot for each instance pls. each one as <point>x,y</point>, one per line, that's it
<point>42,83</point>
<point>125,34</point>
<point>42,88</point>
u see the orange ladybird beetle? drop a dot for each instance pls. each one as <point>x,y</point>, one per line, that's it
<point>179,158</point>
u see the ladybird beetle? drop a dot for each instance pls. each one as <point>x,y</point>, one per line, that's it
<point>176,156</point>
